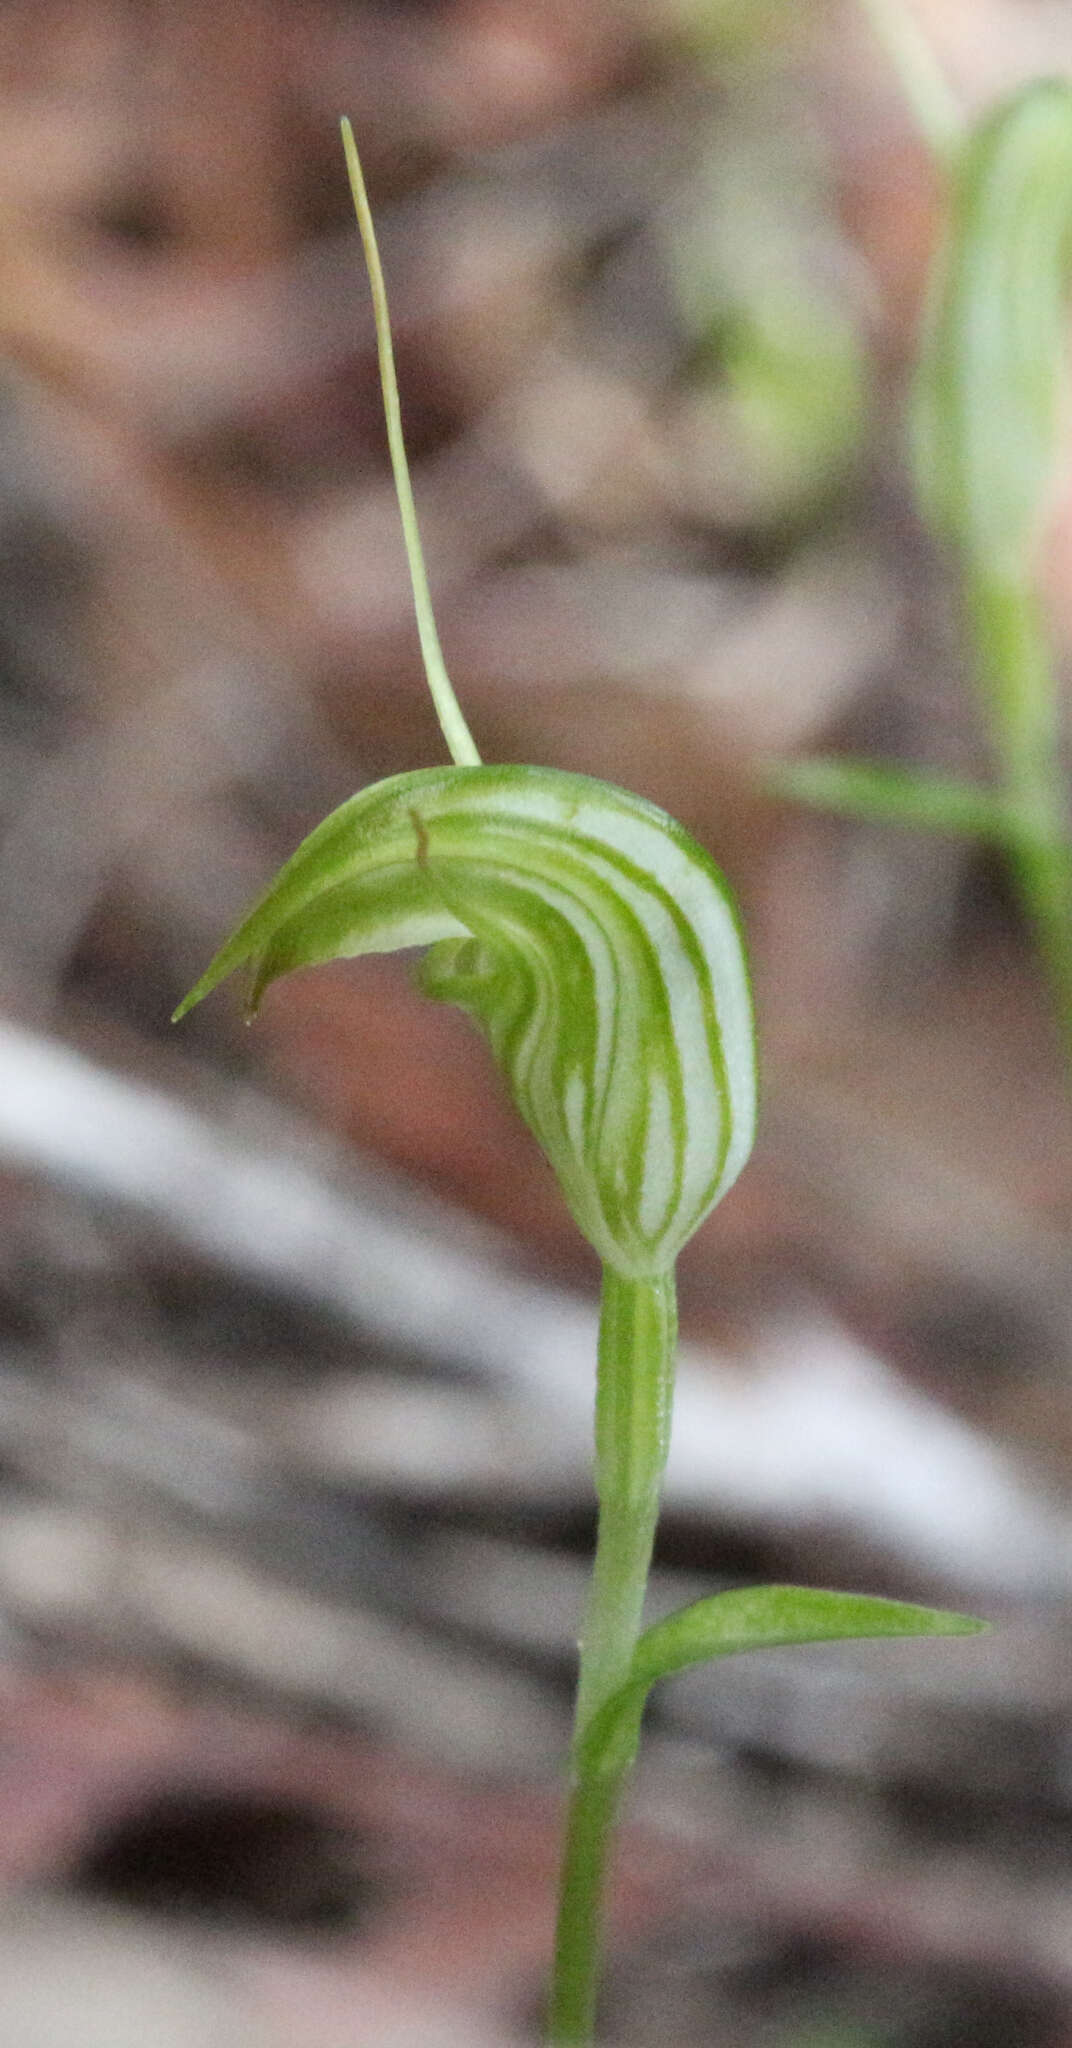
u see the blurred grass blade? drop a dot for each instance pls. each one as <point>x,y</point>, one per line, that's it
<point>988,419</point>
<point>893,796</point>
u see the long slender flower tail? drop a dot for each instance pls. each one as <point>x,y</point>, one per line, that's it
<point>594,943</point>
<point>990,414</point>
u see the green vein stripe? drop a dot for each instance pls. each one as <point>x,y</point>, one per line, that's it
<point>703,1139</point>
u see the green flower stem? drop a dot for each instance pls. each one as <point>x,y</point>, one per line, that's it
<point>1013,652</point>
<point>575,1980</point>
<point>637,1344</point>
<point>634,1393</point>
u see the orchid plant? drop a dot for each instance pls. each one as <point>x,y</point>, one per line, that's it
<point>989,416</point>
<point>598,948</point>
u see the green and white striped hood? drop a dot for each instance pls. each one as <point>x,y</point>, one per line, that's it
<point>596,945</point>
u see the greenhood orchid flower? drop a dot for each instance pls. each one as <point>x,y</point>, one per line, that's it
<point>594,943</point>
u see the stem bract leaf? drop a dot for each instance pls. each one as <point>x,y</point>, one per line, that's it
<point>751,1618</point>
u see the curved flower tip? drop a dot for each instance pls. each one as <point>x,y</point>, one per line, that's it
<point>594,943</point>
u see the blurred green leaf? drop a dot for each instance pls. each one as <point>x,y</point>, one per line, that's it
<point>796,377</point>
<point>762,283</point>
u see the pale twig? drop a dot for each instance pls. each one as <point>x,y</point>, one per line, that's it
<point>937,115</point>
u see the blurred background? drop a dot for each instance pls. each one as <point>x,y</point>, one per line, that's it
<point>296,1367</point>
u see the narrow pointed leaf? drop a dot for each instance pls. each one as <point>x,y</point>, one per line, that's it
<point>750,1618</point>
<point>889,795</point>
<point>589,937</point>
